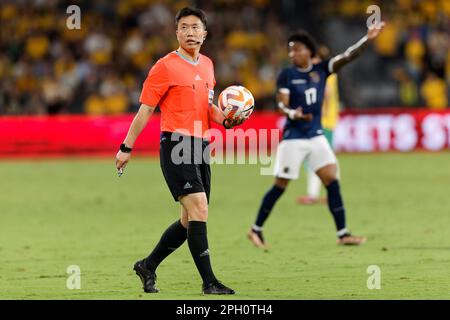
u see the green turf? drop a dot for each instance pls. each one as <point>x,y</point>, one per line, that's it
<point>78,212</point>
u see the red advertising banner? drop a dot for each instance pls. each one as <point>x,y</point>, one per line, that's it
<point>393,130</point>
<point>69,135</point>
<point>93,135</point>
<point>374,131</point>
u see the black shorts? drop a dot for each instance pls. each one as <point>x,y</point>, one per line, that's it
<point>185,164</point>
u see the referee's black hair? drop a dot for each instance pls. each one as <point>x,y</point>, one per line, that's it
<point>189,11</point>
<point>305,38</point>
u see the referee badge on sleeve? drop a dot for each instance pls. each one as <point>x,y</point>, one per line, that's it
<point>210,96</point>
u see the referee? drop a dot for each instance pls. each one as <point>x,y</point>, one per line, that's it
<point>181,84</point>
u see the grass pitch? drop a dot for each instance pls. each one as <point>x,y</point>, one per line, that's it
<point>57,213</point>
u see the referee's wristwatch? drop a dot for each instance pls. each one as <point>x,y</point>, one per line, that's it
<point>124,148</point>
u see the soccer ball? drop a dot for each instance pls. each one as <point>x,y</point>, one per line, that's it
<point>236,102</point>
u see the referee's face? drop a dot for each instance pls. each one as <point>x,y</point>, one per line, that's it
<point>299,54</point>
<point>191,33</point>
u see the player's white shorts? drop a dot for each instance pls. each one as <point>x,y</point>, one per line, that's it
<point>292,152</point>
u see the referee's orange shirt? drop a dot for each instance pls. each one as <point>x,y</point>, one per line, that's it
<point>183,90</point>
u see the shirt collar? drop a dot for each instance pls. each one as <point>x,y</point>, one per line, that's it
<point>186,59</point>
<point>307,69</point>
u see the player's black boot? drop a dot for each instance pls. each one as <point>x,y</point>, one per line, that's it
<point>216,287</point>
<point>256,237</point>
<point>147,277</point>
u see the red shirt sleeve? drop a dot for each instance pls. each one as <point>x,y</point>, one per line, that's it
<point>156,85</point>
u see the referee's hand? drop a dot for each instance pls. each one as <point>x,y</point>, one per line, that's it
<point>229,123</point>
<point>122,159</point>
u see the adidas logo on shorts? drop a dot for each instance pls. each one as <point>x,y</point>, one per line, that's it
<point>187,186</point>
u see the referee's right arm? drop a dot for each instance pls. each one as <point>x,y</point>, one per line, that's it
<point>155,86</point>
<point>138,124</point>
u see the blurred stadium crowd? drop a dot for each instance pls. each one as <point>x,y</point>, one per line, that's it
<point>99,69</point>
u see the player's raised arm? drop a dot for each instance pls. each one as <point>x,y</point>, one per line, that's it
<point>337,62</point>
<point>136,127</point>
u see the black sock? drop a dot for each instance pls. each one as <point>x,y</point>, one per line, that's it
<point>267,204</point>
<point>198,245</point>
<point>336,205</point>
<point>171,239</point>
